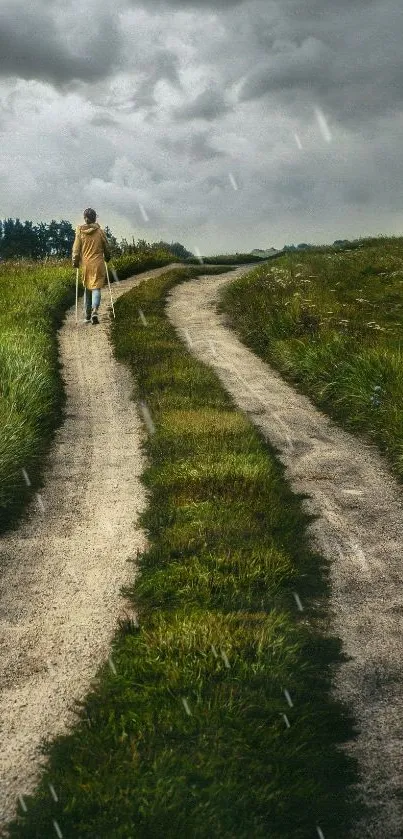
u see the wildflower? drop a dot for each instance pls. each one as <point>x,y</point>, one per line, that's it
<point>376,396</point>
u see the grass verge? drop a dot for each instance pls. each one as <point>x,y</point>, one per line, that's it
<point>332,323</point>
<point>34,299</point>
<point>216,718</point>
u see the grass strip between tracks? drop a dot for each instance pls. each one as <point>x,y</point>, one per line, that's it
<point>215,719</point>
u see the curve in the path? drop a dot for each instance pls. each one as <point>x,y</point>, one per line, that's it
<point>62,569</point>
<point>360,530</point>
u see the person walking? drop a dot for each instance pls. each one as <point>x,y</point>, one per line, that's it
<point>90,250</point>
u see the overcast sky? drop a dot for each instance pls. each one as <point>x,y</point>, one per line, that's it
<point>223,124</point>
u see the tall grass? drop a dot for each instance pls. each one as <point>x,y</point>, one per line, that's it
<point>129,264</point>
<point>191,734</point>
<point>332,324</point>
<point>34,298</point>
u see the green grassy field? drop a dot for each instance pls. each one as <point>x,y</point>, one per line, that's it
<point>216,718</point>
<point>332,324</point>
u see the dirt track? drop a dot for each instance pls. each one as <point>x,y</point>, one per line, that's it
<point>63,568</point>
<point>360,530</point>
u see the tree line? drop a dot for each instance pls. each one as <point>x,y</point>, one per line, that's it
<point>26,240</point>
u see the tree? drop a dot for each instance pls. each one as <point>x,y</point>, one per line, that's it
<point>124,245</point>
<point>60,238</point>
<point>159,246</point>
<point>175,248</point>
<point>15,240</point>
<point>113,242</point>
<point>24,239</point>
<point>179,250</point>
<point>66,236</point>
<point>142,245</point>
<point>42,240</point>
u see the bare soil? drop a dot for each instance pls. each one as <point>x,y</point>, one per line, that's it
<point>360,531</point>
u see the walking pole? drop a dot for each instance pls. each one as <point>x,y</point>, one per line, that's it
<point>77,297</point>
<point>110,292</point>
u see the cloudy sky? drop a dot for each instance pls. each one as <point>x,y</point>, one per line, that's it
<point>223,124</point>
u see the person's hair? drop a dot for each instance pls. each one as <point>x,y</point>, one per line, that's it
<point>89,215</point>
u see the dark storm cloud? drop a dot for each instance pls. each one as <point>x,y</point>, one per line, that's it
<point>104,121</point>
<point>349,60</point>
<point>215,181</point>
<point>197,5</point>
<point>268,70</point>
<point>160,65</point>
<point>195,147</point>
<point>357,194</point>
<point>290,66</point>
<point>219,183</point>
<point>33,47</point>
<point>209,105</point>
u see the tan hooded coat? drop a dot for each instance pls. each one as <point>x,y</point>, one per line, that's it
<point>90,249</point>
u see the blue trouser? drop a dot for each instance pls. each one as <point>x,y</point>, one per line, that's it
<point>92,300</point>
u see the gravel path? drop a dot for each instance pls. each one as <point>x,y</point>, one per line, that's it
<point>62,569</point>
<point>360,530</point>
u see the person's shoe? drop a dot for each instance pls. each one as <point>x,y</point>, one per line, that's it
<point>94,318</point>
<point>87,319</point>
